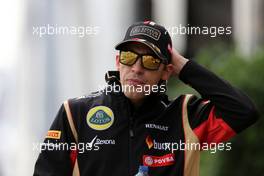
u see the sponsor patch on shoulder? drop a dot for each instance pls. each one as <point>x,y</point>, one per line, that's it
<point>53,134</point>
<point>159,161</point>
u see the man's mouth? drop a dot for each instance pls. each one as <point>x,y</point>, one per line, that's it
<point>135,82</point>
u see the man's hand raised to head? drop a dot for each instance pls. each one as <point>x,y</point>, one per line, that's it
<point>177,61</point>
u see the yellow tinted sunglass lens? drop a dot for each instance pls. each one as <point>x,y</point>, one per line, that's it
<point>128,58</point>
<point>151,62</point>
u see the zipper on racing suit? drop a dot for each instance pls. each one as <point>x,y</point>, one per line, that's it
<point>131,157</point>
<point>131,126</point>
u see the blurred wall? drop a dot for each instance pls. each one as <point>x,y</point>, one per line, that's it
<point>248,20</point>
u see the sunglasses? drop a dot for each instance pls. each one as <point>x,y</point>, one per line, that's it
<point>148,61</point>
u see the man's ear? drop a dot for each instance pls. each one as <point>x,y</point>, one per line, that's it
<point>117,62</point>
<point>167,72</point>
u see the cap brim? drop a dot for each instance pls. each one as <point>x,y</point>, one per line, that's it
<point>120,45</point>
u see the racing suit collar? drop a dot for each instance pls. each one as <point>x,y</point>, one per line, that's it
<point>153,103</point>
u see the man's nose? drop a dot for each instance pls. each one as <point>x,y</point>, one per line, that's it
<point>137,67</point>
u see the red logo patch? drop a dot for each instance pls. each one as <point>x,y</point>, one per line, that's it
<point>158,161</point>
<point>149,142</point>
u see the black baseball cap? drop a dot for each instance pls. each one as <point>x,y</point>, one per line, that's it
<point>155,36</point>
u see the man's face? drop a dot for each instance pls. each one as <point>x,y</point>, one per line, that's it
<point>137,80</point>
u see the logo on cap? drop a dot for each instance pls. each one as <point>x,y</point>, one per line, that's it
<point>100,118</point>
<point>145,30</point>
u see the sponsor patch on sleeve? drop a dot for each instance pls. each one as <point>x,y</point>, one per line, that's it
<point>53,134</point>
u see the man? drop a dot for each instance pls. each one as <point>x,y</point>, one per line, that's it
<point>131,123</point>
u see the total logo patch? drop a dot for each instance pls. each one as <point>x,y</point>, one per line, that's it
<point>158,161</point>
<point>149,142</point>
<point>100,118</point>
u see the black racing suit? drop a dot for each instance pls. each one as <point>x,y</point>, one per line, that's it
<point>106,135</point>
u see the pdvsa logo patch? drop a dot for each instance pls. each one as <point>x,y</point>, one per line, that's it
<point>159,161</point>
<point>100,118</point>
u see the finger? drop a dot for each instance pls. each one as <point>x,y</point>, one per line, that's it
<point>169,48</point>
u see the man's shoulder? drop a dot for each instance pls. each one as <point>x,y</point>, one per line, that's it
<point>191,98</point>
<point>87,99</point>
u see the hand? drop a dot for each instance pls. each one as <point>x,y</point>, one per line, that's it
<point>177,61</point>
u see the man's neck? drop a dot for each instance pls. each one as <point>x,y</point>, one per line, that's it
<point>137,102</point>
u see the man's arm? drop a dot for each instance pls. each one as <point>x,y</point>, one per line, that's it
<point>228,110</point>
<point>56,158</point>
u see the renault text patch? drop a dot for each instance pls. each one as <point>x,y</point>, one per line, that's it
<point>100,118</point>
